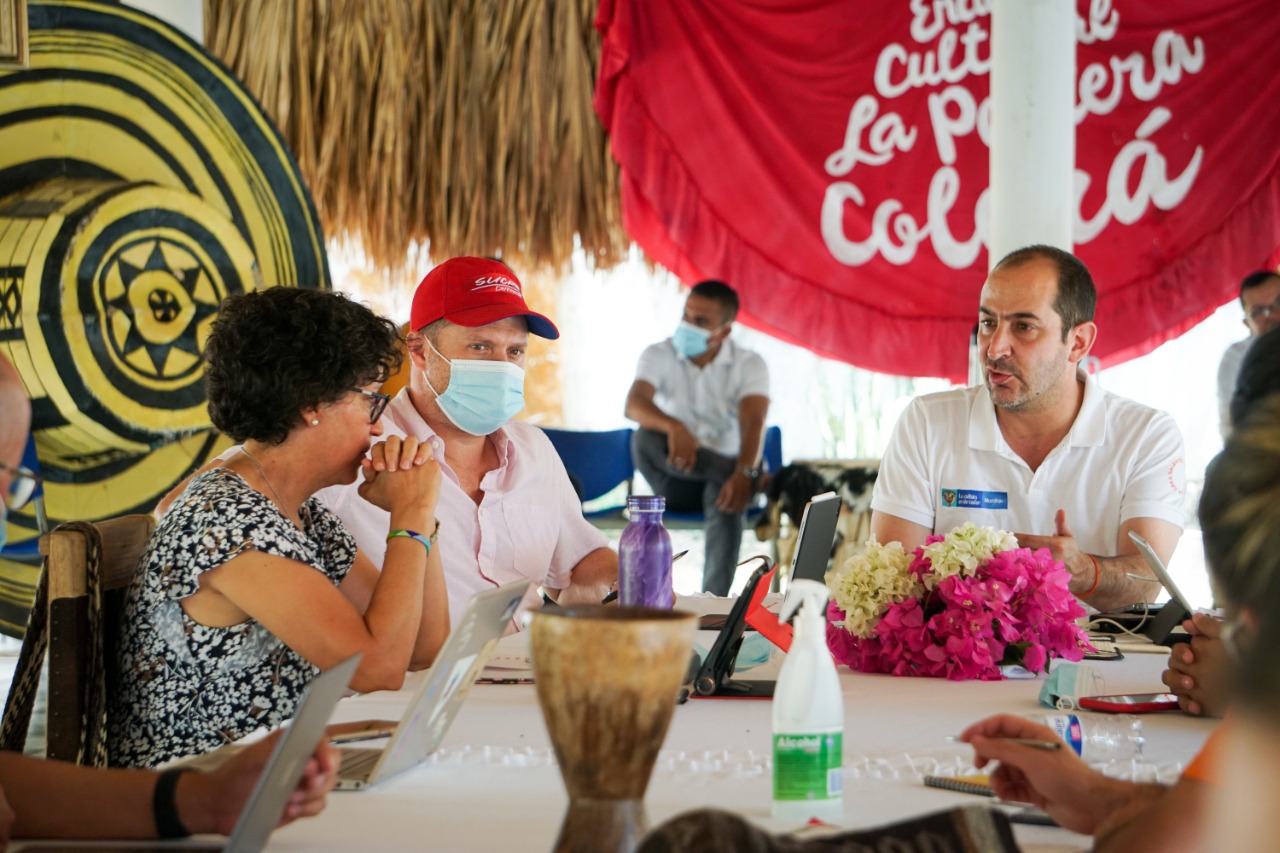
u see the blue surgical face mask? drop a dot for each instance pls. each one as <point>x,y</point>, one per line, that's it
<point>482,395</point>
<point>689,340</point>
<point>1067,683</point>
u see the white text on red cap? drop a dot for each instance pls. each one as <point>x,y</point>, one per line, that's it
<point>496,282</point>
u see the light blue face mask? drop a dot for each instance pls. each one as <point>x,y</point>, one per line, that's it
<point>482,395</point>
<point>689,340</point>
<point>1067,683</point>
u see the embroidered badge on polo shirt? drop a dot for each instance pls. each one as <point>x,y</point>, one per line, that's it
<point>974,499</point>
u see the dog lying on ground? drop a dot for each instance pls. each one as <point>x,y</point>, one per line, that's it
<point>795,484</point>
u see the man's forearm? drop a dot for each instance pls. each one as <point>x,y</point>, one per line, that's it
<point>591,578</point>
<point>752,439</point>
<point>1115,588</point>
<point>648,415</point>
<point>53,799</point>
<point>886,528</point>
<point>752,412</point>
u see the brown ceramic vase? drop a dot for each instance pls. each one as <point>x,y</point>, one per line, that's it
<point>607,680</point>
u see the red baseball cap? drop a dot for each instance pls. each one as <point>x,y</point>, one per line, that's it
<point>474,292</point>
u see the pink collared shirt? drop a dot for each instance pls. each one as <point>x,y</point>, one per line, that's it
<point>529,523</point>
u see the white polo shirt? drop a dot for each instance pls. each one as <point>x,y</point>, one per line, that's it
<point>948,463</point>
<point>705,399</point>
<point>1228,373</point>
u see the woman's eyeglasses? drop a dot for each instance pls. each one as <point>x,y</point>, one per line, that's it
<point>377,403</point>
<point>22,485</point>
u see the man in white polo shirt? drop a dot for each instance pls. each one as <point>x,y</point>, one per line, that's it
<point>701,402</point>
<point>1040,449</point>
<point>1260,299</point>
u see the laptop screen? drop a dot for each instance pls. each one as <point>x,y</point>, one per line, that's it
<point>1158,628</point>
<point>460,660</point>
<point>1158,568</point>
<point>817,535</point>
<point>287,762</point>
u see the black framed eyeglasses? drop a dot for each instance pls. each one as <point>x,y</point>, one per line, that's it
<point>377,403</point>
<point>22,485</point>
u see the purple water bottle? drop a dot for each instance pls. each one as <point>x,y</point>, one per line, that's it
<point>644,556</point>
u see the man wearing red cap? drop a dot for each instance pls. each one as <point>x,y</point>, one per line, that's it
<point>507,509</point>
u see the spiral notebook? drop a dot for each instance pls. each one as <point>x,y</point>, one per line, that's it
<point>978,784</point>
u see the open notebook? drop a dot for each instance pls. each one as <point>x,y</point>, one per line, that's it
<point>271,794</point>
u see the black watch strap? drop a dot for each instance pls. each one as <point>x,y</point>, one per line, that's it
<point>164,806</point>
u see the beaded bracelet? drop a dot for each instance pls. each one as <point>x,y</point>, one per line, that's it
<point>1097,576</point>
<point>164,808</point>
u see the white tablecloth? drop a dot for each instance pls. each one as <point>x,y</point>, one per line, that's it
<point>493,785</point>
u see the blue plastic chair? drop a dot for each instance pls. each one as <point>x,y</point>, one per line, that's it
<point>771,453</point>
<point>600,462</point>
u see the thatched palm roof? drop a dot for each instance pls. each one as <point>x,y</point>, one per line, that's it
<point>451,126</point>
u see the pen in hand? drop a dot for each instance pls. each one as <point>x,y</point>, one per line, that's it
<point>613,594</point>
<point>1047,745</point>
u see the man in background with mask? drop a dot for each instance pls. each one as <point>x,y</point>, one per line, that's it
<point>701,403</point>
<point>1260,299</point>
<point>506,510</point>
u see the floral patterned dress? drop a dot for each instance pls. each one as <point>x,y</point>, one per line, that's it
<point>186,688</point>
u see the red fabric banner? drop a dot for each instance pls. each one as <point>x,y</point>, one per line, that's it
<point>828,159</point>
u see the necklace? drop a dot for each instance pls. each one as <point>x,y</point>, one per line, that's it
<point>265,478</point>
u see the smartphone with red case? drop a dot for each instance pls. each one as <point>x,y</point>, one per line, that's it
<point>1131,703</point>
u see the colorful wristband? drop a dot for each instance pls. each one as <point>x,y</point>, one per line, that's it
<point>412,534</point>
<point>417,537</point>
<point>1097,576</point>
<point>164,808</point>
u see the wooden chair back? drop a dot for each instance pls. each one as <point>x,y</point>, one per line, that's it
<point>81,657</point>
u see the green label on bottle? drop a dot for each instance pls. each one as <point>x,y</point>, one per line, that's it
<point>807,767</point>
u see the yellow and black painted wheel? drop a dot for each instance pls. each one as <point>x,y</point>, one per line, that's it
<point>140,184</point>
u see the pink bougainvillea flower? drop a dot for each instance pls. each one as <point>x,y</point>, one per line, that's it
<point>1011,607</point>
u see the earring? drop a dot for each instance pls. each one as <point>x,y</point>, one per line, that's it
<point>315,422</point>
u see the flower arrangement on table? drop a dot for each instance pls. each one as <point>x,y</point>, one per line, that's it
<point>959,607</point>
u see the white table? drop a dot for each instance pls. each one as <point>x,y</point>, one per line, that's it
<point>493,785</point>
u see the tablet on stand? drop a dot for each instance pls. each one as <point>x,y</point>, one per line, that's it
<point>715,676</point>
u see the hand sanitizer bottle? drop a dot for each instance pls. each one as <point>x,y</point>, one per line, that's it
<point>808,715</point>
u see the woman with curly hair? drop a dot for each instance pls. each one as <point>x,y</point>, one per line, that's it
<point>249,586</point>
